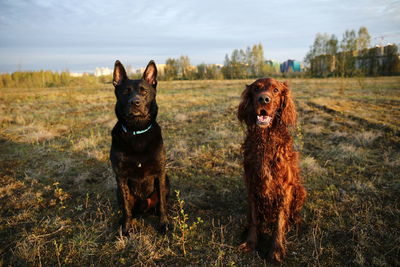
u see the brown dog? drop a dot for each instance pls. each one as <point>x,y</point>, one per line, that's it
<point>137,150</point>
<point>272,175</point>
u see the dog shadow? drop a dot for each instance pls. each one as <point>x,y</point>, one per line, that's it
<point>78,174</point>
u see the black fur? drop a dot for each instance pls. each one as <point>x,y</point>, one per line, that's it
<point>138,159</point>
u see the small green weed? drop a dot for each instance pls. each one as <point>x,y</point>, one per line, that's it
<point>183,231</point>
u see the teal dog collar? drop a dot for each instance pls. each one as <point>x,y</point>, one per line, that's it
<point>136,132</point>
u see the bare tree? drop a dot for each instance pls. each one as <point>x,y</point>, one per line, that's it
<point>364,39</point>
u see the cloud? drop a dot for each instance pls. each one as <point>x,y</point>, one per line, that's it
<point>200,29</point>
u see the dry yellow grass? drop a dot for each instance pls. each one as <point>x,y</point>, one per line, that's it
<point>57,190</point>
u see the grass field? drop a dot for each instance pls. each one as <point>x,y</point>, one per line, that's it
<point>57,191</point>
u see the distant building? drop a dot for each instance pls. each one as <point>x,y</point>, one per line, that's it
<point>379,60</point>
<point>291,65</point>
<point>75,74</point>
<point>103,71</point>
<point>384,60</point>
<point>160,69</point>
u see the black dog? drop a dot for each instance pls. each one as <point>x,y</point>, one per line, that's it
<point>137,150</point>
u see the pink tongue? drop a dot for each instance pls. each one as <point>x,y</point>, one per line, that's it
<point>263,119</point>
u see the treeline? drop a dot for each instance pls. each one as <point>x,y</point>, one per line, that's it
<point>181,69</point>
<point>241,64</point>
<point>327,57</point>
<point>248,63</point>
<point>42,78</point>
<point>352,56</point>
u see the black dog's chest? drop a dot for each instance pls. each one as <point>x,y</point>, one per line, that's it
<point>135,148</point>
<point>138,167</point>
<point>140,175</point>
<point>137,157</point>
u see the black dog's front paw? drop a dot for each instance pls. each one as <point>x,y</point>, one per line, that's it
<point>127,226</point>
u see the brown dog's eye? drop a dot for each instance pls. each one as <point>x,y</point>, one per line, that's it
<point>276,90</point>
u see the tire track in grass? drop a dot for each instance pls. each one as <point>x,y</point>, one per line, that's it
<point>361,121</point>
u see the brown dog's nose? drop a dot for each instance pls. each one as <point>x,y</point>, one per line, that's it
<point>264,99</point>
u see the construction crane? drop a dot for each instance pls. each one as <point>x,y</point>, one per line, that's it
<point>381,38</point>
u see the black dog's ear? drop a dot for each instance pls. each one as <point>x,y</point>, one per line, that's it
<point>150,74</point>
<point>119,73</point>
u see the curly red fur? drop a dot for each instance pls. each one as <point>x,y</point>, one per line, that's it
<point>272,176</point>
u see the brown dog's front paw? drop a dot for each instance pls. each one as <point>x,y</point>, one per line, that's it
<point>277,253</point>
<point>276,256</point>
<point>247,246</point>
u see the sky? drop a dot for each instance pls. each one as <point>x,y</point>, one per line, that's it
<point>80,35</point>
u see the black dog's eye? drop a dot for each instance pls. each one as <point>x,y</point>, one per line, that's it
<point>143,91</point>
<point>126,91</point>
<point>276,90</point>
<point>255,89</point>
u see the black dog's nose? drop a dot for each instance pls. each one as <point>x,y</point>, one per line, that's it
<point>135,102</point>
<point>264,99</point>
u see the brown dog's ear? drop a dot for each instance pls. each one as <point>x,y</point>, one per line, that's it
<point>119,73</point>
<point>288,109</point>
<point>245,107</point>
<point>150,74</point>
